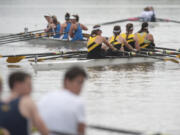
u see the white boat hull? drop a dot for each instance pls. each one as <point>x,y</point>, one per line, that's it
<point>52,43</point>
<point>62,64</point>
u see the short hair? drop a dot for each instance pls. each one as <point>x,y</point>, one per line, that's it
<point>74,72</point>
<point>17,76</point>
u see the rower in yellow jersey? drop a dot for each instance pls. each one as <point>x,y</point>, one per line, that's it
<point>94,45</point>
<point>117,40</point>
<point>145,39</point>
<point>130,37</point>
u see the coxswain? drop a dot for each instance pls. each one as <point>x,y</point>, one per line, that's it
<point>130,37</point>
<point>65,27</point>
<point>118,41</point>
<point>94,44</point>
<point>18,111</point>
<point>145,39</point>
<point>63,111</point>
<point>76,28</point>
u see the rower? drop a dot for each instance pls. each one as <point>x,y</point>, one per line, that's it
<point>117,40</point>
<point>49,21</point>
<point>94,44</point>
<point>53,27</point>
<point>76,28</point>
<point>145,39</point>
<point>63,111</point>
<point>130,37</point>
<point>56,27</point>
<point>65,27</point>
<point>153,17</point>
<point>18,110</point>
<point>146,15</point>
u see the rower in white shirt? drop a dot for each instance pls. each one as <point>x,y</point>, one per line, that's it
<point>148,15</point>
<point>63,111</point>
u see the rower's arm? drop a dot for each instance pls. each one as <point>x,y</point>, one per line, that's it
<point>127,45</point>
<point>136,42</point>
<point>29,110</point>
<point>84,27</point>
<point>71,31</point>
<point>62,28</point>
<point>108,44</point>
<point>81,128</point>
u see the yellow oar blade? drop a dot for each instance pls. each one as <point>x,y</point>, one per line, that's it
<point>172,60</point>
<point>15,59</point>
<point>178,56</point>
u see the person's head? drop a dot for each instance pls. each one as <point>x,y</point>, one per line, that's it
<point>67,16</point>
<point>74,79</point>
<point>151,8</point>
<point>96,30</point>
<point>129,28</point>
<point>48,18</point>
<point>74,18</point>
<point>144,27</point>
<point>20,82</point>
<point>116,30</point>
<point>146,9</point>
<point>54,18</point>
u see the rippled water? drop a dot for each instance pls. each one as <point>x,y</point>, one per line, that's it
<point>139,96</point>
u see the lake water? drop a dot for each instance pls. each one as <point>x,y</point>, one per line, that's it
<point>141,97</point>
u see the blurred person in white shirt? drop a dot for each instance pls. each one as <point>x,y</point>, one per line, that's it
<point>63,111</point>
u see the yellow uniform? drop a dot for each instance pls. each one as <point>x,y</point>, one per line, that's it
<point>143,42</point>
<point>113,41</point>
<point>130,40</point>
<point>94,49</point>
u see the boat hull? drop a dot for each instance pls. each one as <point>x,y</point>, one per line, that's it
<point>62,64</point>
<point>57,43</point>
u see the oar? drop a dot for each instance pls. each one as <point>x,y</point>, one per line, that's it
<point>171,49</point>
<point>121,20</point>
<point>167,20</point>
<point>22,33</point>
<point>153,57</point>
<point>109,129</point>
<point>30,37</point>
<point>19,57</point>
<point>163,52</point>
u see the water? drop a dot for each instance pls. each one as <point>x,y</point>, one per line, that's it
<point>141,97</point>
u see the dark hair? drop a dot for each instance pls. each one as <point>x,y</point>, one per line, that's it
<point>18,76</point>
<point>143,28</point>
<point>55,21</point>
<point>116,28</point>
<point>94,32</point>
<point>67,16</point>
<point>74,72</point>
<point>77,17</point>
<point>128,29</point>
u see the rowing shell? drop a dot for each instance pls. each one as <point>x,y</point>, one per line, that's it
<point>63,64</point>
<point>58,43</point>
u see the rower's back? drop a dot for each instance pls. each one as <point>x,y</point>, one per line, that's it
<point>94,46</point>
<point>12,119</point>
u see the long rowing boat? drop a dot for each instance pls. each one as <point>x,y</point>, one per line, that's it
<point>58,43</point>
<point>64,63</point>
